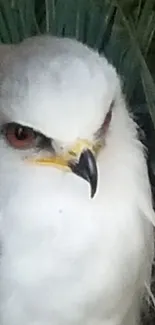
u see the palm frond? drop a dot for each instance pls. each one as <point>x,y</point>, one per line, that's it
<point>123,29</point>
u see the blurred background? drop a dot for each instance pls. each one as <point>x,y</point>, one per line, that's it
<point>124,30</point>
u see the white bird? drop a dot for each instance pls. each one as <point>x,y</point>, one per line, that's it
<point>71,253</point>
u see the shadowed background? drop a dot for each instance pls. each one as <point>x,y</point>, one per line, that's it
<point>123,29</point>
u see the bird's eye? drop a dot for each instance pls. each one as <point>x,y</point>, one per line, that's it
<point>18,136</point>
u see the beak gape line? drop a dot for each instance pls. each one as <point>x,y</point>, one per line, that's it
<point>81,157</point>
<point>87,169</point>
<point>81,160</point>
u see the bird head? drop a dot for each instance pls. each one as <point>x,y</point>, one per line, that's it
<point>57,101</point>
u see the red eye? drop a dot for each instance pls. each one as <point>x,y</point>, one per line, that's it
<point>18,136</point>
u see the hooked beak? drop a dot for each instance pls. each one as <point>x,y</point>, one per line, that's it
<point>81,160</point>
<point>87,169</point>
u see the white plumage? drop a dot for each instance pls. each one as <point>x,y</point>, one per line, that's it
<point>67,258</point>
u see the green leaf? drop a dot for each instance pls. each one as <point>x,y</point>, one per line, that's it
<point>7,12</point>
<point>123,29</point>
<point>139,62</point>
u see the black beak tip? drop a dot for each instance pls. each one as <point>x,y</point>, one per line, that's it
<point>87,169</point>
<point>93,191</point>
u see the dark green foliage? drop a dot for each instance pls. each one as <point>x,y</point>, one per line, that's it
<point>123,29</point>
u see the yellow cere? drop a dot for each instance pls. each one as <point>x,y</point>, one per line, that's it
<point>72,154</point>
